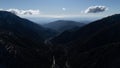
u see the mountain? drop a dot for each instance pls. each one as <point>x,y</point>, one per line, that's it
<point>17,24</point>
<point>86,31</point>
<point>22,43</point>
<point>95,45</point>
<point>63,25</point>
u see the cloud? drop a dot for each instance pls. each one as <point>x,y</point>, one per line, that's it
<point>22,12</point>
<point>64,9</point>
<point>95,9</point>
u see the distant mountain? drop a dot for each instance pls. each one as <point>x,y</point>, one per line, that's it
<point>63,25</point>
<point>22,43</point>
<point>95,45</point>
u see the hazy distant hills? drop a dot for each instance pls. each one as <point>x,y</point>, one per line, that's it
<point>95,45</point>
<point>63,25</point>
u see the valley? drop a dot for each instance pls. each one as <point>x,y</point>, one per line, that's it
<point>59,44</point>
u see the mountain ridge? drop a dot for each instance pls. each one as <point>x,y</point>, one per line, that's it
<point>63,25</point>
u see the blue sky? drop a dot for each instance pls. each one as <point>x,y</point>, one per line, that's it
<point>63,7</point>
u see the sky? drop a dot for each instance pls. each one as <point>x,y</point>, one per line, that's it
<point>61,8</point>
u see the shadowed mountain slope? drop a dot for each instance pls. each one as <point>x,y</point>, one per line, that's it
<point>95,45</point>
<point>22,43</point>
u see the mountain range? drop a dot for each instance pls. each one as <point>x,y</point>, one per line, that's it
<point>95,45</point>
<point>25,44</point>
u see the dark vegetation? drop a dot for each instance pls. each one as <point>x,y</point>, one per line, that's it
<point>86,46</point>
<point>24,44</point>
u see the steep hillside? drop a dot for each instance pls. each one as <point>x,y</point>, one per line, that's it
<point>95,45</point>
<point>107,38</point>
<point>22,43</point>
<point>9,21</point>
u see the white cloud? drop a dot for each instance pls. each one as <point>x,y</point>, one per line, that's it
<point>95,9</point>
<point>22,12</point>
<point>64,9</point>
